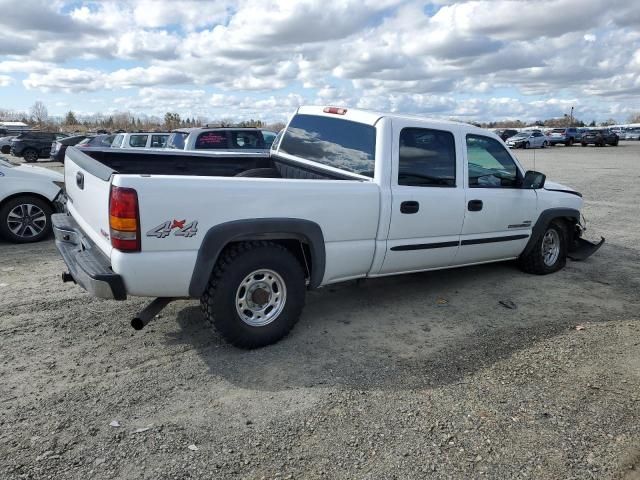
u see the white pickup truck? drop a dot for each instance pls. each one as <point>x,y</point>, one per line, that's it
<point>345,194</point>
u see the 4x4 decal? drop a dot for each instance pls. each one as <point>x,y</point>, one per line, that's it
<point>181,227</point>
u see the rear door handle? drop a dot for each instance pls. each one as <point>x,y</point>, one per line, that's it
<point>80,180</point>
<point>474,205</point>
<point>409,207</point>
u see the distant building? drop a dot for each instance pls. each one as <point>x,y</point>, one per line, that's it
<point>13,127</point>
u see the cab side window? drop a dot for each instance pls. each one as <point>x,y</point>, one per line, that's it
<point>490,165</point>
<point>427,158</point>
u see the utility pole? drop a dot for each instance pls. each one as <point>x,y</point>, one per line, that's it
<point>571,124</point>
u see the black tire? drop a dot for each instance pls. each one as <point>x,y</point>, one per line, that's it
<point>261,173</point>
<point>526,145</point>
<point>27,237</point>
<point>30,155</point>
<point>534,262</point>
<point>545,144</point>
<point>235,265</point>
<point>5,149</point>
<point>583,144</point>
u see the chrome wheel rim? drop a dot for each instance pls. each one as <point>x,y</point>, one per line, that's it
<point>550,247</point>
<point>26,220</point>
<point>261,297</point>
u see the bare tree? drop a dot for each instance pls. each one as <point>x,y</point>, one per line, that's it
<point>39,113</point>
<point>634,118</point>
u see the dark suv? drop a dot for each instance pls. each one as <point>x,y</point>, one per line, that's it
<point>505,133</point>
<point>33,145</point>
<point>600,138</point>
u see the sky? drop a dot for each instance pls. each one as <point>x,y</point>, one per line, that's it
<point>478,60</point>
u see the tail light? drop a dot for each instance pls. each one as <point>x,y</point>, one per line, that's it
<point>124,219</point>
<point>335,110</point>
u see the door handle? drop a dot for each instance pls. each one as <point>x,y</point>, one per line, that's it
<point>474,205</point>
<point>80,180</point>
<point>409,207</point>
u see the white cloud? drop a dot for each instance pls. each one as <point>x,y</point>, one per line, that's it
<point>5,80</point>
<point>470,58</point>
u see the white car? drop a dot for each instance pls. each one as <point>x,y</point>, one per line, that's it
<point>140,140</point>
<point>534,139</point>
<point>28,197</point>
<point>632,134</point>
<point>345,194</point>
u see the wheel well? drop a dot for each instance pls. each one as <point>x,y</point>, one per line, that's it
<point>26,194</point>
<point>298,247</point>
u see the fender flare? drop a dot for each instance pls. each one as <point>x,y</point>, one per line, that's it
<point>546,216</point>
<point>221,235</point>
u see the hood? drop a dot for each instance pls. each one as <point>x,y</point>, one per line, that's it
<point>558,187</point>
<point>30,170</point>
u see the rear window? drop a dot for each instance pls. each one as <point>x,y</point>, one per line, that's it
<point>176,140</point>
<point>117,142</point>
<point>247,139</point>
<point>138,141</point>
<point>333,142</point>
<point>211,141</point>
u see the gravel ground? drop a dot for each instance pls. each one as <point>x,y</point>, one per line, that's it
<point>377,381</point>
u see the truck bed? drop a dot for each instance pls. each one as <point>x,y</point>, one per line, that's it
<point>166,162</point>
<point>103,163</point>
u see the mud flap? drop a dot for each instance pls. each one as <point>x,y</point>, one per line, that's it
<point>583,249</point>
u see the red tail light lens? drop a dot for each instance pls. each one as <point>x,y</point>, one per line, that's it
<point>124,219</point>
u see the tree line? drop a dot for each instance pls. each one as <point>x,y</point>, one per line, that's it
<point>38,117</point>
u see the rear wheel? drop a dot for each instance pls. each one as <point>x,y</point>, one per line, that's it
<point>526,145</point>
<point>25,219</point>
<point>5,149</point>
<point>545,144</point>
<point>549,254</point>
<point>255,295</point>
<point>584,144</point>
<point>30,155</point>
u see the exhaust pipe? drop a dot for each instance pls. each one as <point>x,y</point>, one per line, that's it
<point>149,312</point>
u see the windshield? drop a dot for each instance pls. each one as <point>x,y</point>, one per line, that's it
<point>333,142</point>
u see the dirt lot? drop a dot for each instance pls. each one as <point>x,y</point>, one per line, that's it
<point>377,381</point>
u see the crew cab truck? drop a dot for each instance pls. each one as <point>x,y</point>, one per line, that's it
<point>345,194</point>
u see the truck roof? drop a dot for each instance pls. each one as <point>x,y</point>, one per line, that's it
<point>367,116</point>
<point>209,129</point>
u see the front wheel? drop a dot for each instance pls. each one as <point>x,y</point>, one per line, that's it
<point>549,253</point>
<point>25,219</point>
<point>30,155</point>
<point>255,295</point>
<point>584,144</point>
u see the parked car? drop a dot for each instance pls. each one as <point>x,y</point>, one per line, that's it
<point>140,140</point>
<point>600,137</point>
<point>505,133</point>
<point>5,143</point>
<point>97,141</point>
<point>28,197</point>
<point>633,134</point>
<point>34,145</point>
<point>531,139</point>
<point>222,138</point>
<point>59,147</point>
<point>565,136</point>
<point>346,194</point>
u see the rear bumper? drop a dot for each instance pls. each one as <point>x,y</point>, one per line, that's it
<point>88,266</point>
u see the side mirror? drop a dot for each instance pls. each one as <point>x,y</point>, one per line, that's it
<point>533,180</point>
